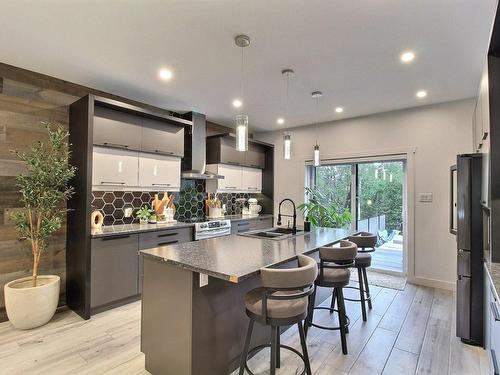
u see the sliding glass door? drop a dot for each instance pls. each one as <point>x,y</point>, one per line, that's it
<point>373,194</point>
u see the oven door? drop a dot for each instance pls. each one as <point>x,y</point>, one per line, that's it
<point>215,232</point>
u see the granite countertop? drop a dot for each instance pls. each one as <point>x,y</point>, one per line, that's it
<point>493,270</point>
<point>236,257</point>
<point>111,230</point>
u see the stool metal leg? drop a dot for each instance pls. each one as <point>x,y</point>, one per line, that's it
<point>246,347</point>
<point>304,348</point>
<point>342,301</point>
<point>332,304</point>
<point>273,350</point>
<point>310,313</point>
<point>342,319</point>
<point>367,288</point>
<point>362,294</point>
<point>278,360</point>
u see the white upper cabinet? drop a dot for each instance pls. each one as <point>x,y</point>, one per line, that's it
<point>251,179</point>
<point>159,172</point>
<point>114,168</point>
<point>117,129</point>
<point>236,179</point>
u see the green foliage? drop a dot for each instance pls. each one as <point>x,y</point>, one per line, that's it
<point>321,213</point>
<point>44,189</point>
<point>376,195</point>
<point>144,213</point>
<point>379,196</point>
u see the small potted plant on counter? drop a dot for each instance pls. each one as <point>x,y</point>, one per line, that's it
<point>32,301</point>
<point>143,214</point>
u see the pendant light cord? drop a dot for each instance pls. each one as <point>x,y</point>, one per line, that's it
<point>316,118</point>
<point>241,73</point>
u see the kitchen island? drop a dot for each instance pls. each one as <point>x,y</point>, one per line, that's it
<point>193,313</point>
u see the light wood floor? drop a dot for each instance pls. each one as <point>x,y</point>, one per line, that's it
<point>407,332</point>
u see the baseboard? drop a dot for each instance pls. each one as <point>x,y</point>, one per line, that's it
<point>432,283</point>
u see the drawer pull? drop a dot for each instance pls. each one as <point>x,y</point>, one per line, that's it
<point>116,237</point>
<point>167,234</point>
<point>494,360</point>
<point>494,309</point>
<point>115,145</point>
<point>112,183</point>
<point>243,224</point>
<point>164,152</point>
<point>167,243</point>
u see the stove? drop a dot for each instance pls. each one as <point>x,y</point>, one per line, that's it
<point>205,228</point>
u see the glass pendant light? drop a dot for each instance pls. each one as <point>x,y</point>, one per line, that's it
<point>287,146</point>
<point>317,160</point>
<point>287,142</point>
<point>242,41</point>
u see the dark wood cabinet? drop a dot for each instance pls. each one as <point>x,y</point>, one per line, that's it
<point>114,269</point>
<point>117,129</point>
<point>222,150</point>
<point>255,157</point>
<point>162,138</point>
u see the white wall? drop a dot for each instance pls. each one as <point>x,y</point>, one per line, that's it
<point>437,132</point>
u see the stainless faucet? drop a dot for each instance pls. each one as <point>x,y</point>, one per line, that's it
<point>294,228</point>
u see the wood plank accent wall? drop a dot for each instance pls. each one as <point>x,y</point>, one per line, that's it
<point>26,99</point>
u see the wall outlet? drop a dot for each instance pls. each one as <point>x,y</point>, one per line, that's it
<point>127,211</point>
<point>425,197</point>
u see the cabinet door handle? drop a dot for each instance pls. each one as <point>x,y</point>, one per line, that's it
<point>164,152</point>
<point>230,187</point>
<point>494,309</point>
<point>167,243</point>
<point>115,145</point>
<point>116,237</point>
<point>112,183</point>
<point>167,235</point>
<point>255,165</point>
<point>232,162</point>
<point>252,188</point>
<point>162,184</point>
<point>494,360</point>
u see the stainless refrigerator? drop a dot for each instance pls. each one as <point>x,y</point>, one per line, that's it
<point>469,231</point>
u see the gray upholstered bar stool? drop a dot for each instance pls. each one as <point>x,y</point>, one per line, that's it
<point>366,243</point>
<point>281,301</point>
<point>334,273</point>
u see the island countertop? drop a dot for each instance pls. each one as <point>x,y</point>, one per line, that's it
<point>235,257</point>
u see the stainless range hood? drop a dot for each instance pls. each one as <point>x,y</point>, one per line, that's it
<point>195,154</point>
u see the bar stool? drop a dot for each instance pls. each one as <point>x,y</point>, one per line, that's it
<point>334,273</point>
<point>281,301</point>
<point>366,243</point>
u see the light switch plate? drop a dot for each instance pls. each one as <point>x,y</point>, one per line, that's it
<point>425,197</point>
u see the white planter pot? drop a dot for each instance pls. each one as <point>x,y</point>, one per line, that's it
<point>29,307</point>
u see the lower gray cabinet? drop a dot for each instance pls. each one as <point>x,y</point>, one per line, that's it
<point>242,226</point>
<point>114,269</point>
<point>165,237</point>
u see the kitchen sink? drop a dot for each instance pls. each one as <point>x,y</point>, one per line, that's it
<point>272,233</point>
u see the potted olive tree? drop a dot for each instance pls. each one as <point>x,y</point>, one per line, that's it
<point>32,301</point>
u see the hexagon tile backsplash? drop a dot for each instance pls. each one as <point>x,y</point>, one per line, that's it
<point>189,202</point>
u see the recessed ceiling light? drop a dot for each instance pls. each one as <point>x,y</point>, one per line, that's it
<point>237,103</point>
<point>339,109</point>
<point>421,94</point>
<point>407,56</point>
<point>280,121</point>
<point>165,74</point>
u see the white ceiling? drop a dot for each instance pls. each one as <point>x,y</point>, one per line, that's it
<point>347,49</point>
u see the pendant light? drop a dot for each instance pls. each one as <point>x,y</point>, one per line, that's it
<point>242,41</point>
<point>317,160</point>
<point>287,142</point>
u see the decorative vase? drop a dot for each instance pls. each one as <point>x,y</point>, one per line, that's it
<point>30,307</point>
<point>143,221</point>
